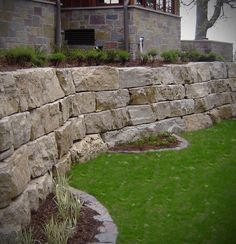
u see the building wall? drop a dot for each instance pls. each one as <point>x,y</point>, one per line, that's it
<point>160,30</point>
<point>51,117</point>
<point>224,49</point>
<point>27,23</point>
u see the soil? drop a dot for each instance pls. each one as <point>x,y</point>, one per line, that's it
<point>141,148</point>
<point>86,229</point>
<point>4,67</point>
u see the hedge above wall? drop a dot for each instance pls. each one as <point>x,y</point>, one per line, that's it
<point>51,117</point>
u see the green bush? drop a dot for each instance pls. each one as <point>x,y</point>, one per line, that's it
<point>78,55</point>
<point>111,56</point>
<point>122,56</point>
<point>172,56</point>
<point>210,57</point>
<point>40,58</point>
<point>57,58</point>
<point>92,56</point>
<point>20,55</point>
<point>152,54</point>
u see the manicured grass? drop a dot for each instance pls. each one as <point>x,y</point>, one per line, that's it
<point>186,196</point>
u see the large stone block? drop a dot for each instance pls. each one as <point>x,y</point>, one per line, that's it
<point>225,111</point>
<point>162,110</point>
<point>88,148</point>
<point>43,155</point>
<point>231,70</point>
<point>171,92</point>
<point>197,122</point>
<point>45,120</point>
<point>204,104</point>
<point>199,72</point>
<point>121,118</point>
<point>144,95</point>
<point>78,128</point>
<point>95,78</point>
<point>6,137</point>
<point>112,99</point>
<point>9,97</point>
<point>64,138</point>
<point>85,102</point>
<point>218,70</point>
<point>183,74</point>
<point>14,176</point>
<point>232,84</point>
<point>99,122</point>
<point>181,107</point>
<point>135,77</point>
<point>233,110</point>
<point>133,133</point>
<point>233,96</point>
<point>66,81</point>
<point>218,86</point>
<point>63,166</point>
<point>21,128</point>
<point>140,114</point>
<point>37,87</point>
<point>197,90</point>
<point>13,218</point>
<point>163,75</point>
<point>6,153</point>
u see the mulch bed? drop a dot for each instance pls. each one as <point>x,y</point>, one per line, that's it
<point>86,229</point>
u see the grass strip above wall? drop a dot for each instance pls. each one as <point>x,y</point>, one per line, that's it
<point>186,196</point>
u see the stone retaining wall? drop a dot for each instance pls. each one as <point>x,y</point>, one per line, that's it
<point>50,118</point>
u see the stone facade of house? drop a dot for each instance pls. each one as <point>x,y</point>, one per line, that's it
<point>27,23</point>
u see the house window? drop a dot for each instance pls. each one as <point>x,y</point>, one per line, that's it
<point>80,37</point>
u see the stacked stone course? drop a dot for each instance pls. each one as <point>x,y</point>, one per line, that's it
<point>50,118</point>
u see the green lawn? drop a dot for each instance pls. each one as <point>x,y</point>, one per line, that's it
<point>186,196</point>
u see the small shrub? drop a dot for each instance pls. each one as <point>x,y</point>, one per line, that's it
<point>40,58</point>
<point>111,56</point>
<point>20,55</point>
<point>152,54</point>
<point>26,237</point>
<point>143,57</point>
<point>57,58</point>
<point>210,57</point>
<point>172,56</point>
<point>123,56</point>
<point>92,56</point>
<point>78,55</point>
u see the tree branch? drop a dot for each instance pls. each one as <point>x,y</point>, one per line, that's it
<point>216,14</point>
<point>187,4</point>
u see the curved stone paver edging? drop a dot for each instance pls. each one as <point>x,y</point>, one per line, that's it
<point>108,230</point>
<point>182,145</point>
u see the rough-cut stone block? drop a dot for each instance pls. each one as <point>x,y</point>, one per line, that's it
<point>225,111</point>
<point>37,87</point>
<point>121,118</point>
<point>233,110</point>
<point>215,116</point>
<point>161,110</point>
<point>197,90</point>
<point>141,114</point>
<point>218,70</point>
<point>232,84</point>
<point>135,77</point>
<point>45,120</point>
<point>87,148</point>
<point>182,74</point>
<point>6,137</point>
<point>14,176</point>
<point>64,138</point>
<point>14,217</point>
<point>21,128</point>
<point>181,107</point>
<point>6,153</point>
<point>144,95</point>
<point>78,128</point>
<point>197,122</point>
<point>172,92</point>
<point>42,155</point>
<point>163,75</point>
<point>85,102</point>
<point>66,81</point>
<point>133,133</point>
<point>231,70</point>
<point>63,166</point>
<point>199,72</point>
<point>203,104</point>
<point>99,122</point>
<point>112,99</point>
<point>233,96</point>
<point>218,86</point>
<point>9,97</point>
<point>95,78</point>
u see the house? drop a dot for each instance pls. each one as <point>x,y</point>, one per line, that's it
<point>110,24</point>
<point>116,24</point>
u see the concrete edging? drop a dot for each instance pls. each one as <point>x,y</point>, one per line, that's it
<point>108,230</point>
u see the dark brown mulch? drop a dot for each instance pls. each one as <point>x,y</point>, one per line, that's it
<point>142,148</point>
<point>86,228</point>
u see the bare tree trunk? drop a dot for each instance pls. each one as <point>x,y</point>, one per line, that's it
<point>201,21</point>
